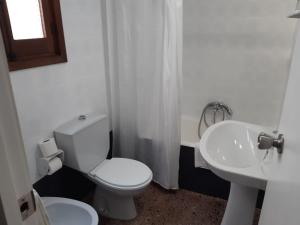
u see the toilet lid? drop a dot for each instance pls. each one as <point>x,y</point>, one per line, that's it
<point>122,172</point>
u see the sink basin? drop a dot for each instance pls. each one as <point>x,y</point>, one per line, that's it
<point>234,144</point>
<point>230,150</point>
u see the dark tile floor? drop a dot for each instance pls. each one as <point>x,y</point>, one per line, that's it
<point>157,206</point>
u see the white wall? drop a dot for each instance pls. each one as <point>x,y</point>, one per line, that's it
<point>51,95</point>
<point>282,198</point>
<point>237,52</point>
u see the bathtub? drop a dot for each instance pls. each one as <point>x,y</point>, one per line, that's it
<point>189,139</point>
<point>189,131</point>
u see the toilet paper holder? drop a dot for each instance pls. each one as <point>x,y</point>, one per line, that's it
<point>43,163</point>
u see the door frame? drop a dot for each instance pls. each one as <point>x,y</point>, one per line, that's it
<point>15,179</point>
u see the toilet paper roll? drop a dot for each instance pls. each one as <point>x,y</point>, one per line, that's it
<point>48,147</point>
<point>54,165</point>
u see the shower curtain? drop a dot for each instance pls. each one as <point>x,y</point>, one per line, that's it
<point>144,39</point>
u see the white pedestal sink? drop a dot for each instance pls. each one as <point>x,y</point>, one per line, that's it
<point>230,151</point>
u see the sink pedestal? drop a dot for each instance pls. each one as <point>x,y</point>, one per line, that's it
<point>240,206</point>
<point>230,150</point>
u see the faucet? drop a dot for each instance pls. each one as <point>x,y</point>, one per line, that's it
<point>266,141</point>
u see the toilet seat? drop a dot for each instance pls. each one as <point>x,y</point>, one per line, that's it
<point>121,173</point>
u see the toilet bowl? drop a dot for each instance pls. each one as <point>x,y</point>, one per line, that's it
<point>85,142</point>
<point>119,180</point>
<point>63,211</point>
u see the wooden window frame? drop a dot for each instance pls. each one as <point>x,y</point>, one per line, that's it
<point>29,53</point>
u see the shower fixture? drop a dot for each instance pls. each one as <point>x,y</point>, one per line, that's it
<point>215,108</point>
<point>296,13</point>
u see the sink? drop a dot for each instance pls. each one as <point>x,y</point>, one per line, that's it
<point>230,150</point>
<point>234,144</point>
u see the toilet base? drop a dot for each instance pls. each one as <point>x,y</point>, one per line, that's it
<point>114,206</point>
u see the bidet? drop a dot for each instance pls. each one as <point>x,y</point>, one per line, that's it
<point>63,211</point>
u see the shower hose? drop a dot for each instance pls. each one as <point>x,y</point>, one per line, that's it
<point>215,108</point>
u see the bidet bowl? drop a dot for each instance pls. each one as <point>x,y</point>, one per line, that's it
<point>63,211</point>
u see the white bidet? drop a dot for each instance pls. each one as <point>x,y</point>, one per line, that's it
<point>63,211</point>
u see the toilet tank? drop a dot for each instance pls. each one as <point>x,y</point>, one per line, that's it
<point>85,141</point>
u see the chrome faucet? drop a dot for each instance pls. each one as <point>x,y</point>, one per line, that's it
<point>266,141</point>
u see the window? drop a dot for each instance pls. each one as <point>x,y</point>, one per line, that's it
<point>32,32</point>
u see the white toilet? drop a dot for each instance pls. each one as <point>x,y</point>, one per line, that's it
<point>86,144</point>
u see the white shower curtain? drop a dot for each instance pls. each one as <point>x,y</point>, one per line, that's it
<point>144,39</point>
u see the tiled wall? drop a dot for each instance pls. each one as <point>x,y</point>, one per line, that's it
<point>48,96</point>
<point>237,52</point>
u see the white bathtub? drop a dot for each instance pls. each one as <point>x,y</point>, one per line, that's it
<point>189,138</point>
<point>189,131</point>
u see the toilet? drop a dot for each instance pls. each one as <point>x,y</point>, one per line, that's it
<point>64,211</point>
<point>85,141</point>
